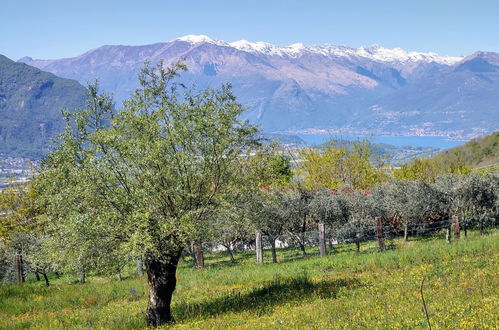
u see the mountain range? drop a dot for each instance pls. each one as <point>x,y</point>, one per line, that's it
<point>334,89</point>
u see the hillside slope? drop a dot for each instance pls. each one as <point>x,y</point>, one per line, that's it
<point>479,152</point>
<point>30,104</point>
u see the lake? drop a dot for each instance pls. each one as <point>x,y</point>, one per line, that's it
<point>399,141</point>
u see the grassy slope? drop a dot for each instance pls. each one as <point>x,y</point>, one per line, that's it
<point>478,152</point>
<point>344,290</point>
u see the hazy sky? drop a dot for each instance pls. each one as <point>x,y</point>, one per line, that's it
<point>65,28</point>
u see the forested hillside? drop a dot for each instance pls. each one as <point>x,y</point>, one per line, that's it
<point>483,151</point>
<point>30,105</point>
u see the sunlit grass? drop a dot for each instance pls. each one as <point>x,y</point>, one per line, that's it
<point>344,290</point>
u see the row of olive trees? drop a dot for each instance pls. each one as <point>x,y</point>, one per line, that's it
<point>403,205</point>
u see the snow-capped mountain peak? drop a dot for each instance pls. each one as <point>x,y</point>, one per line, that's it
<point>256,47</point>
<point>379,53</point>
<point>201,38</point>
<point>374,52</point>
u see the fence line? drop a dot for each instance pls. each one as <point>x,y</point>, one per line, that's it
<point>379,231</point>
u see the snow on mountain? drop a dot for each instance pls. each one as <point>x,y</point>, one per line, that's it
<point>374,52</point>
<point>201,38</point>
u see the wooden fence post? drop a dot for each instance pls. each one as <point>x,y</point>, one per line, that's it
<point>379,233</point>
<point>20,269</point>
<point>455,224</point>
<point>447,233</point>
<point>259,248</point>
<point>198,250</point>
<point>81,274</point>
<point>322,240</point>
<point>140,270</point>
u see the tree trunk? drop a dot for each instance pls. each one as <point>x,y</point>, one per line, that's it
<point>37,276</point>
<point>331,246</point>
<point>357,246</point>
<point>47,283</point>
<point>272,248</point>
<point>302,243</point>
<point>302,248</point>
<point>465,231</point>
<point>162,281</point>
<point>20,269</point>
<point>406,232</point>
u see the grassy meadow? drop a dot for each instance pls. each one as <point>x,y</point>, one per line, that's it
<point>345,290</point>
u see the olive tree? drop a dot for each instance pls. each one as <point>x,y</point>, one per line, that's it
<point>478,196</point>
<point>268,174</point>
<point>20,232</point>
<point>269,216</point>
<point>296,211</point>
<point>330,208</point>
<point>362,209</point>
<point>411,202</point>
<point>149,175</point>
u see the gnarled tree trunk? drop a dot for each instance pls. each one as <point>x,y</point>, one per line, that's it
<point>162,281</point>
<point>357,245</point>
<point>47,283</point>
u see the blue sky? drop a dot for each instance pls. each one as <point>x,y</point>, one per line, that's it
<point>65,28</point>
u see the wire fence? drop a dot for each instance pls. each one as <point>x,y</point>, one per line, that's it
<point>294,245</point>
<point>322,239</point>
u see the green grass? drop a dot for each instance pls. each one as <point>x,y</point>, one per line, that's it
<point>365,290</point>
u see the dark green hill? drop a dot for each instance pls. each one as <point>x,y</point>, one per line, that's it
<point>479,152</point>
<point>30,104</point>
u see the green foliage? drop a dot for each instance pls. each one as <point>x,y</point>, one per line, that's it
<point>266,167</point>
<point>475,153</point>
<point>337,166</point>
<point>18,209</point>
<point>149,178</point>
<point>428,169</point>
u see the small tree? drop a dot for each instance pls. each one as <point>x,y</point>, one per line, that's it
<point>478,196</point>
<point>338,165</point>
<point>296,211</point>
<point>268,174</point>
<point>20,225</point>
<point>231,225</point>
<point>329,207</point>
<point>149,176</point>
<point>362,208</point>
